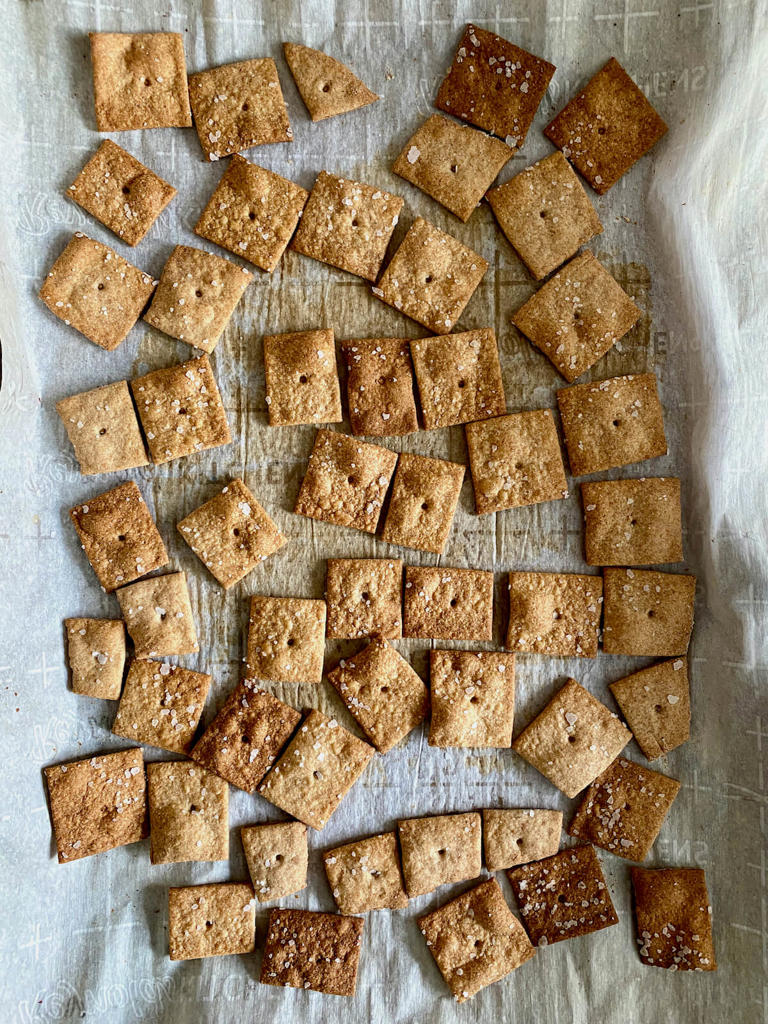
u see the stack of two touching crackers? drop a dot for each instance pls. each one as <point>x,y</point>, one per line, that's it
<point>304,764</point>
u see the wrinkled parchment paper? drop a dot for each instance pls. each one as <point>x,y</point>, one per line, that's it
<point>684,233</point>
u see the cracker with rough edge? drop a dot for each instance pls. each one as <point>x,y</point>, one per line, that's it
<point>573,739</point>
<point>440,850</point>
<point>277,856</point>
<point>96,656</point>
<point>346,481</point>
<point>577,316</point>
<point>316,771</point>
<point>382,692</point>
<point>96,291</point>
<point>475,940</point>
<point>237,106</point>
<point>246,736</point>
<point>306,949</point>
<point>97,804</point>
<point>196,296</point>
<point>253,212</point>
<point>459,377</point>
<point>557,614</point>
<point>380,387</point>
<point>431,277</point>
<point>302,381</point>
<point>188,813</point>
<point>231,533</point>
<point>632,522</point>
<point>452,163</point>
<point>607,127</point>
<point>613,422</point>
<point>365,875</point>
<point>161,705</point>
<point>120,192</point>
<point>513,836</point>
<point>211,920</point>
<point>647,612</point>
<point>472,694</point>
<point>286,639</point>
<point>425,495</point>
<point>448,604</point>
<point>119,536</point>
<point>656,703</point>
<point>348,225</point>
<point>103,429</point>
<point>364,598</point>
<point>327,86</point>
<point>674,919</point>
<point>158,616</point>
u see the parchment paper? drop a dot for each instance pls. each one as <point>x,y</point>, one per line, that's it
<point>684,233</point>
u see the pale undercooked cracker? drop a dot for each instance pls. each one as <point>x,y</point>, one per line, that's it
<point>286,639</point>
<point>302,381</point>
<point>211,920</point>
<point>439,850</point>
<point>188,813</point>
<point>472,694</point>
<point>103,429</point>
<point>557,614</point>
<point>448,604</point>
<point>277,857</point>
<point>513,836</point>
<point>366,875</point>
<point>161,705</point>
<point>425,494</point>
<point>158,615</point>
<point>364,598</point>
<point>647,612</point>
<point>96,656</point>
<point>656,703</point>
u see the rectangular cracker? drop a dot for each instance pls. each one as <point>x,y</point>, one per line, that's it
<point>440,850</point>
<point>473,698</point>
<point>103,429</point>
<point>161,705</point>
<point>97,804</point>
<point>96,656</point>
<point>286,639</point>
<point>513,836</point>
<point>306,949</point>
<point>656,703</point>
<point>632,522</point>
<point>515,460</point>
<point>211,920</point>
<point>647,612</point>
<point>119,536</point>
<point>277,855</point>
<point>613,422</point>
<point>674,919</point>
<point>448,604</point>
<point>425,494</point>
<point>382,692</point>
<point>573,739</point>
<point>246,736</point>
<point>301,378</point>
<point>557,614</point>
<point>327,86</point>
<point>188,813</point>
<point>452,163</point>
<point>366,875</point>
<point>158,616</point>
<point>380,387</point>
<point>317,769</point>
<point>364,597</point>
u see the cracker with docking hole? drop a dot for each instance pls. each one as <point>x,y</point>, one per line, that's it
<point>425,495</point>
<point>211,920</point>
<point>103,429</point>
<point>306,949</point>
<point>557,614</point>
<point>380,387</point>
<point>632,522</point>
<point>647,612</point>
<point>161,705</point>
<point>286,639</point>
<point>472,694</point>
<point>440,850</point>
<point>96,656</point>
<point>364,597</point>
<point>277,856</point>
<point>673,916</point>
<point>158,616</point>
<point>513,836</point>
<point>326,86</point>
<point>302,382</point>
<point>656,704</point>
<point>366,875</point>
<point>188,813</point>
<point>447,604</point>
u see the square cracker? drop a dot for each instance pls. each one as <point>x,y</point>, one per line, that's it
<point>286,639</point>
<point>211,920</point>
<point>431,277</point>
<point>365,875</point>
<point>346,481</point>
<point>253,212</point>
<point>196,296</point>
<point>139,80</point>
<point>307,949</point>
<point>451,162</point>
<point>347,224</point>
<point>624,808</point>
<point>237,106</point>
<point>495,85</point>
<point>382,692</point>
<point>96,656</point>
<point>448,604</point>
<point>514,836</point>
<point>440,850</point>
<point>609,423</point>
<point>473,698</point>
<point>103,429</point>
<point>119,536</point>
<point>475,940</point>
<point>577,316</point>
<point>632,522</point>
<point>302,379</point>
<point>231,533</point>
<point>380,387</point>
<point>674,919</point>
<point>656,703</point>
<point>573,739</point>
<point>515,460</point>
<point>188,813</point>
<point>317,769</point>
<point>424,497</point>
<point>120,192</point>
<point>97,804</point>
<point>647,612</point>
<point>161,705</point>
<point>607,127</point>
<point>364,598</point>
<point>557,614</point>
<point>158,616</point>
<point>180,409</point>
<point>545,214</point>
<point>96,291</point>
<point>246,736</point>
<point>327,86</point>
<point>563,896</point>
<point>459,377</point>
<point>277,855</point>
